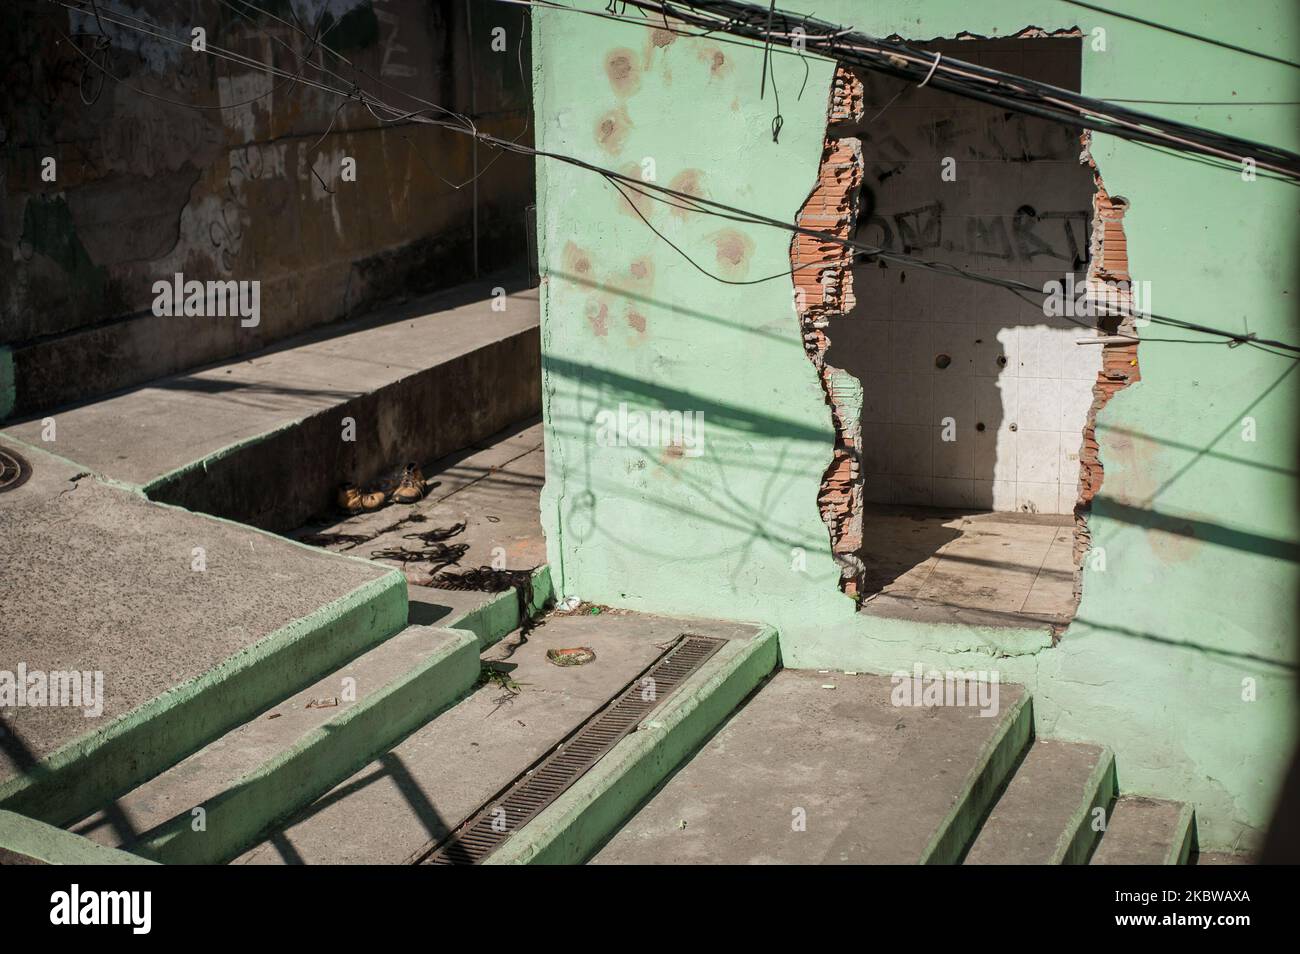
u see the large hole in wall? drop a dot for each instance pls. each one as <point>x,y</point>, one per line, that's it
<point>961,410</point>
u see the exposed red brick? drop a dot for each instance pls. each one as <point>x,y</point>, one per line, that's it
<point>1119,367</point>
<point>846,97</point>
<point>824,291</point>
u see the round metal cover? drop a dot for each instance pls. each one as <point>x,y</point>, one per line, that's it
<point>14,469</point>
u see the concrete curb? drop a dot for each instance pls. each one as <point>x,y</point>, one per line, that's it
<point>88,772</point>
<point>1079,839</point>
<point>993,768</point>
<point>576,824</point>
<point>329,754</point>
<point>25,840</point>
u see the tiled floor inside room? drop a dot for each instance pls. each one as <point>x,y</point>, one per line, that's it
<point>948,566</point>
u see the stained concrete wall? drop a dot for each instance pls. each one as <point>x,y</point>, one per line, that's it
<point>1183,654</point>
<point>230,190</point>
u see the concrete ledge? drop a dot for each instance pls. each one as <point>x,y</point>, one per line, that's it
<point>90,771</point>
<point>578,822</point>
<point>260,440</point>
<point>26,841</point>
<point>317,762</point>
<point>421,417</point>
<point>992,769</point>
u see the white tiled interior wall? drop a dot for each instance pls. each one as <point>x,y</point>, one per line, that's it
<point>1033,408</point>
<point>1016,372</point>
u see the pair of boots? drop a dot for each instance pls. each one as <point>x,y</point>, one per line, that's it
<point>408,490</point>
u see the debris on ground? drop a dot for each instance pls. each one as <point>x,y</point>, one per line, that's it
<point>429,537</point>
<point>331,539</point>
<point>441,554</point>
<point>489,579</point>
<point>492,674</point>
<point>575,607</point>
<point>575,656</point>
<point>356,539</point>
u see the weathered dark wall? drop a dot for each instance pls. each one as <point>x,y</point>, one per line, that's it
<point>146,188</point>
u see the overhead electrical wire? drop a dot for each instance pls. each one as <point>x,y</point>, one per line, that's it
<point>897,58</point>
<point>463,125</point>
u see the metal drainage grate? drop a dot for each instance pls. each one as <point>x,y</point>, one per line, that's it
<point>516,804</point>
<point>14,470</point>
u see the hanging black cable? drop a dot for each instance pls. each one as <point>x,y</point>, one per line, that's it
<point>895,58</point>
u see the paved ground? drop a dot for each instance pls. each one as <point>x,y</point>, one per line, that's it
<point>149,431</point>
<point>869,781</point>
<point>994,569</point>
<point>493,488</point>
<point>443,772</point>
<point>96,578</point>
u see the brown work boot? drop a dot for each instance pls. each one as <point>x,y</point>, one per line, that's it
<point>352,500</point>
<point>411,487</point>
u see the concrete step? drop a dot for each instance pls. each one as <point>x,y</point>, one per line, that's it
<point>214,804</point>
<point>262,440</point>
<point>1046,815</point>
<point>1147,831</point>
<point>825,768</point>
<point>191,625</point>
<point>422,788</point>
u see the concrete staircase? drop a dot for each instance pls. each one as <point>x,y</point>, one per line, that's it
<point>128,562</point>
<point>417,792</point>
<point>822,768</point>
<point>743,762</point>
<point>381,758</point>
<point>212,805</point>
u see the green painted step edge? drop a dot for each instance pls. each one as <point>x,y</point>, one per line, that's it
<point>91,771</point>
<point>576,824</point>
<point>1185,843</point>
<point>1080,838</point>
<point>499,616</point>
<point>993,767</point>
<point>327,755</point>
<point>36,842</point>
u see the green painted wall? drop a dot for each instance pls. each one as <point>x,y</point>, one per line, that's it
<point>1200,585</point>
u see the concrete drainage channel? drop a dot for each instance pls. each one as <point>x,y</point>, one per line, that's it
<point>542,783</point>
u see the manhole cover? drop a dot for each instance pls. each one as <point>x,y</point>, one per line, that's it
<point>14,470</point>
